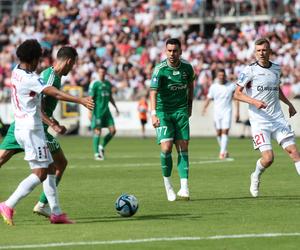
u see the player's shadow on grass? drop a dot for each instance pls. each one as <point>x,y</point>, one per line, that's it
<point>262,197</point>
<point>118,219</point>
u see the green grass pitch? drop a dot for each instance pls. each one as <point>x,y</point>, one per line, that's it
<point>220,202</point>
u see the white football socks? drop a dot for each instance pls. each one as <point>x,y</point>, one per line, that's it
<point>224,142</point>
<point>184,183</point>
<point>24,188</point>
<point>219,140</point>
<point>49,186</point>
<point>167,182</point>
<point>297,165</point>
<point>259,169</point>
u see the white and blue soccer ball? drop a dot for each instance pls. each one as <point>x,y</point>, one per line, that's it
<point>126,205</point>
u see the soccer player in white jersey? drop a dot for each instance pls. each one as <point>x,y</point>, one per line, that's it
<point>221,92</point>
<point>261,82</point>
<point>27,88</point>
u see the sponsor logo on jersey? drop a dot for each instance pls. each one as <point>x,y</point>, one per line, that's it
<point>175,73</point>
<point>267,88</point>
<point>177,87</point>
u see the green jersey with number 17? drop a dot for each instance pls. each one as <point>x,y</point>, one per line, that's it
<point>172,86</point>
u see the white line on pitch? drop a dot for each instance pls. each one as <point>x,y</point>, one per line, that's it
<point>138,164</point>
<point>146,240</point>
<point>147,164</point>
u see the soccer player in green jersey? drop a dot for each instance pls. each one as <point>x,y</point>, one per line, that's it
<point>171,99</point>
<point>66,58</point>
<point>101,91</point>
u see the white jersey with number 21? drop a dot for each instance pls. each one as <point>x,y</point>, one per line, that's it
<point>262,84</point>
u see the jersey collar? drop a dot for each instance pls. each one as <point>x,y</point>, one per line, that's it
<point>270,65</point>
<point>172,66</point>
<point>27,71</point>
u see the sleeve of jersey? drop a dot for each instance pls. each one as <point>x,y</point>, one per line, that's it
<point>245,77</point>
<point>155,79</point>
<point>210,93</point>
<point>91,89</point>
<point>48,78</point>
<point>37,84</point>
<point>192,74</point>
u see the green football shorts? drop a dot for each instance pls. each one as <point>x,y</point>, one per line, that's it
<point>173,126</point>
<point>104,121</point>
<point>10,143</point>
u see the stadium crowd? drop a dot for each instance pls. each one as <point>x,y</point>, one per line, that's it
<point>123,37</point>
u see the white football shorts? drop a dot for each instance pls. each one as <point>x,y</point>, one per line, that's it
<point>223,122</point>
<point>34,144</point>
<point>263,133</point>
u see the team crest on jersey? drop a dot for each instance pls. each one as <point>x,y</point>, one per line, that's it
<point>242,77</point>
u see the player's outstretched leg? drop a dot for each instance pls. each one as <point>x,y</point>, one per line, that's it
<point>24,188</point>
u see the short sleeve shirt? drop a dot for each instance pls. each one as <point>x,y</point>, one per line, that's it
<point>26,98</point>
<point>263,84</point>
<point>172,86</point>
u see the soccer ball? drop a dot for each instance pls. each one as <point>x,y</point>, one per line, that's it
<point>126,205</point>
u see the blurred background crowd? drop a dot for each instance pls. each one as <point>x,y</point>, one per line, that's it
<point>128,37</point>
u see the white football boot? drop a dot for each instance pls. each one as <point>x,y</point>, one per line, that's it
<point>183,194</point>
<point>42,209</point>
<point>101,152</point>
<point>254,186</point>
<point>171,195</point>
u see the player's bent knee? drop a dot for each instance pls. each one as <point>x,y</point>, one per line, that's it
<point>268,161</point>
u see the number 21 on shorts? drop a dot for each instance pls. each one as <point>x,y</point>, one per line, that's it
<point>259,139</point>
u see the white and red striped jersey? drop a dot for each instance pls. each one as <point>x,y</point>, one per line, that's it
<point>26,98</point>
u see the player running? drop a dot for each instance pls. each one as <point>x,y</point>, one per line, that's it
<point>221,92</point>
<point>101,92</point>
<point>261,81</point>
<point>27,88</point>
<point>65,60</point>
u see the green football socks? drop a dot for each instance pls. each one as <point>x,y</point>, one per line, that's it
<point>166,163</point>
<point>96,140</point>
<point>107,138</point>
<point>183,164</point>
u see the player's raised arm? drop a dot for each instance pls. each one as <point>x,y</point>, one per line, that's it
<point>60,95</point>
